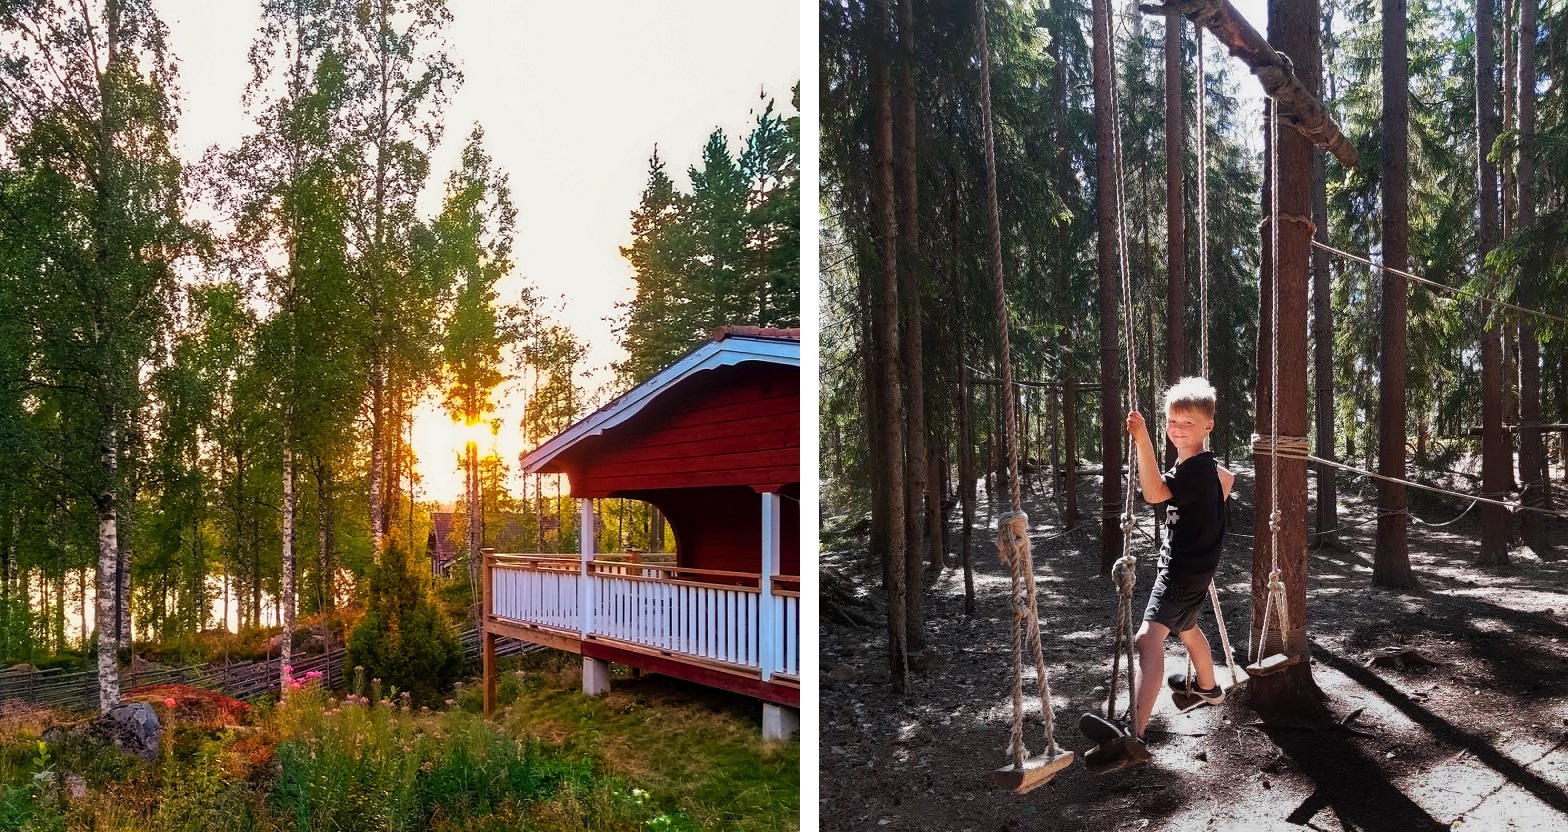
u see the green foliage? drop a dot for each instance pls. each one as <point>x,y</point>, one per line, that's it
<point>405,639</point>
<point>727,253</point>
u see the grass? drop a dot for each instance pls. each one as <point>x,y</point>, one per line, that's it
<point>653,756</point>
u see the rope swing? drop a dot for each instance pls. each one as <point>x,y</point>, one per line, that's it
<point>1192,700</point>
<point>1124,750</point>
<point>1265,663</point>
<point>1012,539</point>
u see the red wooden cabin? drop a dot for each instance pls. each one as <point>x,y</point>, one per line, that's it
<point>713,441</point>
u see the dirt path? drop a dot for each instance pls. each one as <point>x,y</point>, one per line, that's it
<point>1478,743</point>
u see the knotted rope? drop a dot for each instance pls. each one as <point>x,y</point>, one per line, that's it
<point>1294,446</point>
<point>1124,573</point>
<point>1012,539</point>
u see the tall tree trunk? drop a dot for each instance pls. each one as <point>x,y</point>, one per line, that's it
<point>1175,217</point>
<point>890,432</point>
<point>911,321</point>
<point>108,563</point>
<point>1105,214</point>
<point>1391,564</point>
<point>378,463</point>
<point>1494,448</point>
<point>1068,183</point>
<point>471,458</point>
<point>966,439</point>
<point>1323,358</point>
<point>1293,30</point>
<point>1532,455</point>
<point>124,531</point>
<point>326,587</point>
<point>1327,525</point>
<point>289,505</point>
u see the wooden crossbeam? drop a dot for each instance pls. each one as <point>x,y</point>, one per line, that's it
<point>1274,71</point>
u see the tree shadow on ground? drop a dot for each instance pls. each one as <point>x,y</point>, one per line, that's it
<point>1445,731</point>
<point>1350,784</point>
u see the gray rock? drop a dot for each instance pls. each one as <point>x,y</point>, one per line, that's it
<point>133,728</point>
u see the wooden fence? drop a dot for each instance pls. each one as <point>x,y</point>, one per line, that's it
<point>78,689</point>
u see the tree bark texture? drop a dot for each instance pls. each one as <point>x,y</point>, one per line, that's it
<point>1532,453</point>
<point>888,418</point>
<point>1494,450</point>
<point>910,320</point>
<point>1293,29</point>
<point>1391,563</point>
<point>1327,524</point>
<point>966,440</point>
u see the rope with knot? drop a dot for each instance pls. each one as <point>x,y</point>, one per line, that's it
<point>1012,539</point>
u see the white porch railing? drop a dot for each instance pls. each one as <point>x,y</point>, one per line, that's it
<point>704,614</point>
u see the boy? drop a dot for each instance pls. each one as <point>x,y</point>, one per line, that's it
<point>1195,490</point>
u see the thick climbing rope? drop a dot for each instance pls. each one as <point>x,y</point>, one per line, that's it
<point>1012,538</point>
<point>1124,572</point>
<point>1203,316</point>
<point>1203,213</point>
<point>1275,600</point>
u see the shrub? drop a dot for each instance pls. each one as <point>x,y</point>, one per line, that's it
<point>405,639</point>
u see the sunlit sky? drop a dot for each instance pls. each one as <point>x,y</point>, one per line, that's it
<point>573,97</point>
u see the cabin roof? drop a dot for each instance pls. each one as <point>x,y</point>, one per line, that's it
<point>727,346</point>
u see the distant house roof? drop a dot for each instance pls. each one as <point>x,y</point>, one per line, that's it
<point>727,346</point>
<point>445,551</point>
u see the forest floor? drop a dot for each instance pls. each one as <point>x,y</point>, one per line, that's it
<point>1477,742</point>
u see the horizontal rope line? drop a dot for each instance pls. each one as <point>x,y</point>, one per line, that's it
<point>1434,284</point>
<point>1436,490</point>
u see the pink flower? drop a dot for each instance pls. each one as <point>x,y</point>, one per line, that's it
<point>288,670</point>
<point>169,701</point>
<point>314,674</point>
<point>296,686</point>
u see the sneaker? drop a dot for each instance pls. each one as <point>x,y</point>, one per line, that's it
<point>1177,682</point>
<point>1100,730</point>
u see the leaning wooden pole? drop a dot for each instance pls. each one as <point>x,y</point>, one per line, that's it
<point>1298,103</point>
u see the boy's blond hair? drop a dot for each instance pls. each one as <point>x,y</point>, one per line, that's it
<point>1191,393</point>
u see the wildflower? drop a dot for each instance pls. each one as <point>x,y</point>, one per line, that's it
<point>313,675</point>
<point>169,701</point>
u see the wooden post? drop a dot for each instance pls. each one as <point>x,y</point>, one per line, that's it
<point>767,630</point>
<point>487,607</point>
<point>585,547</point>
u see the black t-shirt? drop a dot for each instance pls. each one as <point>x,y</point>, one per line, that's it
<point>1194,516</point>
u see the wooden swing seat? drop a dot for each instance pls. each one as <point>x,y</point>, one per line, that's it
<point>1037,771</point>
<point>1185,701</point>
<point>1120,753</point>
<point>1272,664</point>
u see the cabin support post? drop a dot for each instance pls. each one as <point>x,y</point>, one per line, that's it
<point>767,625</point>
<point>779,722</point>
<point>596,672</point>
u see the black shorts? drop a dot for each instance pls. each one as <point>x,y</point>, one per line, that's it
<point>1177,598</point>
